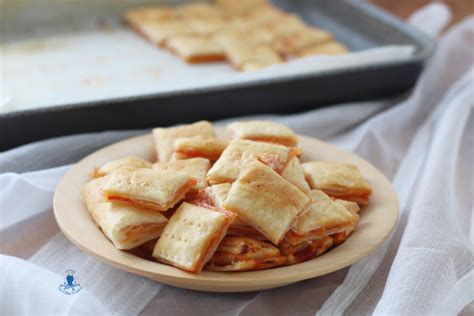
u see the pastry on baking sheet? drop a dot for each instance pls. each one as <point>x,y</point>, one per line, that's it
<point>240,153</point>
<point>129,163</point>
<point>240,7</point>
<point>328,48</point>
<point>266,201</point>
<point>194,49</point>
<point>146,13</point>
<point>190,147</point>
<point>247,56</point>
<point>208,26</point>
<point>285,25</point>
<point>293,43</point>
<point>264,131</point>
<point>164,137</point>
<point>305,250</point>
<point>323,217</point>
<point>191,236</point>
<point>195,168</point>
<point>339,180</point>
<point>244,254</point>
<point>198,10</point>
<point>158,31</point>
<point>293,172</point>
<point>217,194</point>
<point>148,188</point>
<point>262,14</point>
<point>125,225</point>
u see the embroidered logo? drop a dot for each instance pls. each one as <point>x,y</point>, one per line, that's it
<point>70,286</point>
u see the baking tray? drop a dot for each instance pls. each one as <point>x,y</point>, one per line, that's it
<point>358,24</point>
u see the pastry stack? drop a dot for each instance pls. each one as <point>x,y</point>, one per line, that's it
<point>242,203</point>
<point>250,34</point>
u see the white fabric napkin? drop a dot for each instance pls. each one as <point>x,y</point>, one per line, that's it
<point>424,144</point>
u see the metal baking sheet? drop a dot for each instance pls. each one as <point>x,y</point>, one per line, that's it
<point>78,69</point>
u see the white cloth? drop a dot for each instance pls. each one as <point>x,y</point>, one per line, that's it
<point>423,144</point>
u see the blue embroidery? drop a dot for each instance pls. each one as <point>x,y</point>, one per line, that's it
<point>70,286</point>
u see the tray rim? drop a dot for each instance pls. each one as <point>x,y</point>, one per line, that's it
<point>219,282</point>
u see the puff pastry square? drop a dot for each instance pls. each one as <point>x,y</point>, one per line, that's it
<point>195,168</point>
<point>208,26</point>
<point>125,225</point>
<point>248,56</point>
<point>147,188</point>
<point>244,254</point>
<point>190,147</point>
<point>240,153</point>
<point>264,131</point>
<point>323,217</point>
<point>128,163</point>
<point>240,7</point>
<point>305,250</point>
<point>339,180</point>
<point>329,48</point>
<point>352,207</point>
<point>198,10</point>
<point>192,236</point>
<point>217,194</point>
<point>164,137</point>
<point>293,43</point>
<point>266,201</point>
<point>284,25</point>
<point>148,13</point>
<point>196,49</point>
<point>158,31</point>
<point>293,172</point>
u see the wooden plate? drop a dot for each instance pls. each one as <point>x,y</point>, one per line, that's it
<point>376,222</point>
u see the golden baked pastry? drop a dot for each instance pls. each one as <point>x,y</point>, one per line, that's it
<point>251,34</point>
<point>149,13</point>
<point>195,168</point>
<point>293,172</point>
<point>240,153</point>
<point>217,194</point>
<point>196,49</point>
<point>323,217</point>
<point>291,44</point>
<point>328,48</point>
<point>240,7</point>
<point>352,207</point>
<point>198,10</point>
<point>158,31</point>
<point>339,180</point>
<point>190,147</point>
<point>244,254</point>
<point>305,250</point>
<point>205,27</point>
<point>125,225</point>
<point>266,201</point>
<point>285,25</point>
<point>270,208</point>
<point>248,56</point>
<point>147,188</point>
<point>192,236</point>
<point>128,163</point>
<point>164,137</point>
<point>263,131</point>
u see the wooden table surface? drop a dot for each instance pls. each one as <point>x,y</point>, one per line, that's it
<point>404,8</point>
